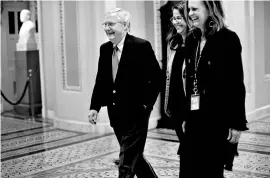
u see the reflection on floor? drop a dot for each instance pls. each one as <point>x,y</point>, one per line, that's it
<point>38,150</point>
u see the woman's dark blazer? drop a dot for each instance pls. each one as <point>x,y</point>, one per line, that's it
<point>220,79</point>
<point>177,96</point>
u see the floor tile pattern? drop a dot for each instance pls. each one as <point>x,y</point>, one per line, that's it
<point>254,148</point>
<point>163,136</point>
<point>47,146</point>
<point>260,126</point>
<point>35,149</point>
<point>34,139</point>
<point>59,157</point>
<point>256,139</point>
<point>9,125</point>
<point>27,132</point>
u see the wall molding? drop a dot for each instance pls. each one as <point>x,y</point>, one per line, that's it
<point>102,127</point>
<point>78,126</point>
<point>157,31</point>
<point>63,47</point>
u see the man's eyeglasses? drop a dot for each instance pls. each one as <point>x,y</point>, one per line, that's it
<point>109,24</point>
<point>178,19</point>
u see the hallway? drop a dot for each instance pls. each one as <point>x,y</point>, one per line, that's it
<point>38,150</point>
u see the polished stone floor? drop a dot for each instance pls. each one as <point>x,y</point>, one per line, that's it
<point>35,149</point>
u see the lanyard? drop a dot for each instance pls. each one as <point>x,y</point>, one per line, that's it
<point>198,57</point>
<point>197,61</point>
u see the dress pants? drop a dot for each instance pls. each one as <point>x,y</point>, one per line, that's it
<point>132,160</point>
<point>202,148</point>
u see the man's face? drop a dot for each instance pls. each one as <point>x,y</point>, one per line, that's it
<point>114,28</point>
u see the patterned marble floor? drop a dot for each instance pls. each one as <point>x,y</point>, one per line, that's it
<point>35,149</point>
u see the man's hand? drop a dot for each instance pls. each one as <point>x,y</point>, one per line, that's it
<point>92,116</point>
<point>234,136</point>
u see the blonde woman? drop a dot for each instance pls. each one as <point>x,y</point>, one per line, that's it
<point>215,92</point>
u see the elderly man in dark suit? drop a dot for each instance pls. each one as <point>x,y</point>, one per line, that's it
<point>128,83</point>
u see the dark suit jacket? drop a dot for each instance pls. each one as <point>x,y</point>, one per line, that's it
<point>221,80</point>
<point>137,83</point>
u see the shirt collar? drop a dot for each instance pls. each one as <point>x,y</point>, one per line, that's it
<point>120,45</point>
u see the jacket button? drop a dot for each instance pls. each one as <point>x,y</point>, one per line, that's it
<point>204,91</point>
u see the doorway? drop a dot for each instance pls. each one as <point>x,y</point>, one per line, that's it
<point>10,26</point>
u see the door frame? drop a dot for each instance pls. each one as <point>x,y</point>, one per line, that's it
<point>41,60</point>
<point>7,6</point>
<point>40,44</point>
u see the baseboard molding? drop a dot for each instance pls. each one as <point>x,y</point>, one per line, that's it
<point>102,128</point>
<point>106,128</point>
<point>258,114</point>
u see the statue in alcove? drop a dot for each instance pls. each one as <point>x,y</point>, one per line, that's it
<point>27,40</point>
<point>165,15</point>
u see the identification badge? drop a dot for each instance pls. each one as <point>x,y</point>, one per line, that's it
<point>195,102</point>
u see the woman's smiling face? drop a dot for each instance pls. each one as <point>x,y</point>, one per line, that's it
<point>179,22</point>
<point>198,13</point>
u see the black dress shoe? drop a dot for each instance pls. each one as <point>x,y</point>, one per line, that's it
<point>116,161</point>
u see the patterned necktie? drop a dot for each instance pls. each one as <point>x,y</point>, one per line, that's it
<point>115,62</point>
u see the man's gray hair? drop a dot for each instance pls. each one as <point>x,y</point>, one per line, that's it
<point>122,15</point>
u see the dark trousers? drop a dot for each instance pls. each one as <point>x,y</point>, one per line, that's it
<point>132,160</point>
<point>177,126</point>
<point>231,152</point>
<point>202,149</point>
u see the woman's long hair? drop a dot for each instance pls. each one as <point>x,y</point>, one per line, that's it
<point>216,18</point>
<point>173,38</point>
